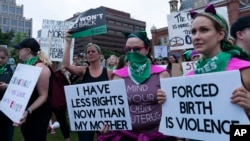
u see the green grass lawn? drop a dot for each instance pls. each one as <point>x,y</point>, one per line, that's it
<point>56,137</point>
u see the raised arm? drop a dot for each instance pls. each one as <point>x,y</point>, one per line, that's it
<point>77,70</point>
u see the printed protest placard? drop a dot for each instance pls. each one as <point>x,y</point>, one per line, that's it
<point>160,51</point>
<point>179,28</point>
<point>92,105</point>
<point>199,106</point>
<point>19,90</point>
<point>52,39</point>
<point>188,66</point>
<point>89,23</point>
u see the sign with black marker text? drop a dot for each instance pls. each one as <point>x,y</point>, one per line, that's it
<point>188,66</point>
<point>179,28</point>
<point>202,108</point>
<point>52,39</point>
<point>92,105</point>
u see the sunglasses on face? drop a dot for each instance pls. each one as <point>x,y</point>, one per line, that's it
<point>134,48</point>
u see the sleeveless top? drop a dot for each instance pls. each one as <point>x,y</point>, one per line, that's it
<point>144,109</point>
<point>87,78</point>
<point>233,64</point>
<point>35,95</point>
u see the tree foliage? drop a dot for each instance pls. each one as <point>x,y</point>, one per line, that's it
<point>11,38</point>
<point>6,38</point>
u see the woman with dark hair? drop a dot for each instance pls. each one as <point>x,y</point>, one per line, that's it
<point>6,125</point>
<point>140,72</point>
<point>171,59</point>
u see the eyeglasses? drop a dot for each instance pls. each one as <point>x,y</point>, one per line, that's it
<point>134,48</point>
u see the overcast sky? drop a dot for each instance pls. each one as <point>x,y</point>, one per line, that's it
<point>153,12</point>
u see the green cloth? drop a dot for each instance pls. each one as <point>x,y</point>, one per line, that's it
<point>2,69</point>
<point>31,60</point>
<point>214,64</point>
<point>138,67</point>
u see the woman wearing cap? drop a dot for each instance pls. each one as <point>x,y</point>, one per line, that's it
<point>140,72</point>
<point>240,31</point>
<point>36,117</point>
<point>6,125</point>
<point>95,72</point>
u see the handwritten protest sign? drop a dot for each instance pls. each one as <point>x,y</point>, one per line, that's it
<point>199,107</point>
<point>53,38</point>
<point>188,66</point>
<point>17,94</point>
<point>89,23</point>
<point>92,105</point>
<point>160,51</point>
<point>179,28</point>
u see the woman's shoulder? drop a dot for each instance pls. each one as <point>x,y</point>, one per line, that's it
<point>236,63</point>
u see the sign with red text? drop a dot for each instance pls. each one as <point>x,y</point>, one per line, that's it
<point>93,105</point>
<point>52,39</point>
<point>19,90</point>
<point>202,106</point>
<point>179,28</point>
<point>188,66</point>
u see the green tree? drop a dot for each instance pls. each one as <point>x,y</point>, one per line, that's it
<point>11,38</point>
<point>6,38</point>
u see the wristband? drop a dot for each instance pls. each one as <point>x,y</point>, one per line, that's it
<point>29,111</point>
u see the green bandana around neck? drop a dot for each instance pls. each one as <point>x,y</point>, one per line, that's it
<point>139,67</point>
<point>31,60</point>
<point>214,64</point>
<point>2,69</point>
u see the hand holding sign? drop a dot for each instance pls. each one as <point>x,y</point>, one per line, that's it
<point>241,96</point>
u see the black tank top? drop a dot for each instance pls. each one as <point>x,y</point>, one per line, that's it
<point>35,95</point>
<point>88,78</point>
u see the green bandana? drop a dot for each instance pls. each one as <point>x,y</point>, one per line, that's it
<point>32,60</point>
<point>139,67</point>
<point>214,64</point>
<point>2,69</point>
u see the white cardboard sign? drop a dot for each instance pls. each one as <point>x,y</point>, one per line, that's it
<point>92,105</point>
<point>199,107</point>
<point>19,90</point>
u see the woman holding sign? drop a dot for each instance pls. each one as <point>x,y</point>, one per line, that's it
<point>95,72</point>
<point>36,117</point>
<point>6,127</point>
<point>142,80</point>
<point>210,38</point>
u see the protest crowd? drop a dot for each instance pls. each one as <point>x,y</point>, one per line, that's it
<point>217,48</point>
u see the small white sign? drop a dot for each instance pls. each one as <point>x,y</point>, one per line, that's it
<point>52,39</point>
<point>92,105</point>
<point>188,66</point>
<point>160,51</point>
<point>19,90</point>
<point>179,28</point>
<point>199,107</point>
